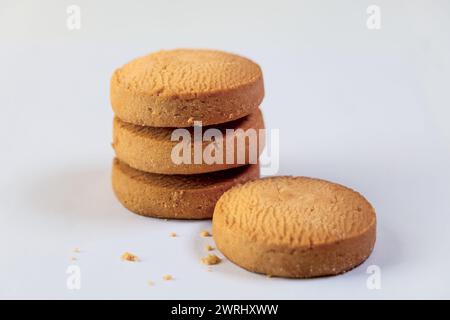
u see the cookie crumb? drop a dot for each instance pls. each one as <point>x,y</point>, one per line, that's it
<point>209,248</point>
<point>150,283</point>
<point>173,234</point>
<point>205,233</point>
<point>211,259</point>
<point>73,258</point>
<point>167,277</point>
<point>190,120</point>
<point>77,250</point>
<point>127,256</point>
<point>269,276</point>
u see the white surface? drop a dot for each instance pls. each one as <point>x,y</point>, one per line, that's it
<point>368,109</point>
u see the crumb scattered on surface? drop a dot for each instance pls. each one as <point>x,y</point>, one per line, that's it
<point>205,233</point>
<point>127,256</point>
<point>209,248</point>
<point>167,277</point>
<point>173,234</point>
<point>73,258</point>
<point>269,276</point>
<point>77,250</point>
<point>150,283</point>
<point>211,259</point>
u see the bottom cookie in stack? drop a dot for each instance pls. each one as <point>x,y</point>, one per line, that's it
<point>175,196</point>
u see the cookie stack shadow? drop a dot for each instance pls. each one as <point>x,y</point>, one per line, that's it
<point>169,164</point>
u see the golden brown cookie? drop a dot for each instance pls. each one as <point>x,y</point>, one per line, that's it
<point>175,196</point>
<point>294,227</point>
<point>174,88</point>
<point>150,149</point>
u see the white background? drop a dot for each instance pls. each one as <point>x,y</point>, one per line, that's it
<point>366,108</point>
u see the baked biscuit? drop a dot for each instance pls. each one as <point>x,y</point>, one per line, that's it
<point>294,227</point>
<point>150,149</point>
<point>174,88</point>
<point>175,196</point>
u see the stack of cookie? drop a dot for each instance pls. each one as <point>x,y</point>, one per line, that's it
<point>186,129</point>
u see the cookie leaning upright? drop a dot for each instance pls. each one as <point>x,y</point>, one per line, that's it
<point>177,87</point>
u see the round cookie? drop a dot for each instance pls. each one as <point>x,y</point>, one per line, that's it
<point>294,227</point>
<point>150,148</point>
<point>175,196</point>
<point>174,88</point>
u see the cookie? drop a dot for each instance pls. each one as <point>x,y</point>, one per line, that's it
<point>150,148</point>
<point>294,227</point>
<point>175,196</point>
<point>174,88</point>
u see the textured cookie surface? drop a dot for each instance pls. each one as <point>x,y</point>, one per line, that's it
<point>294,227</point>
<point>177,87</point>
<point>150,148</point>
<point>175,196</point>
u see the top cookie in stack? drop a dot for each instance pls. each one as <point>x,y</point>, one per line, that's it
<point>177,87</point>
<point>154,95</point>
